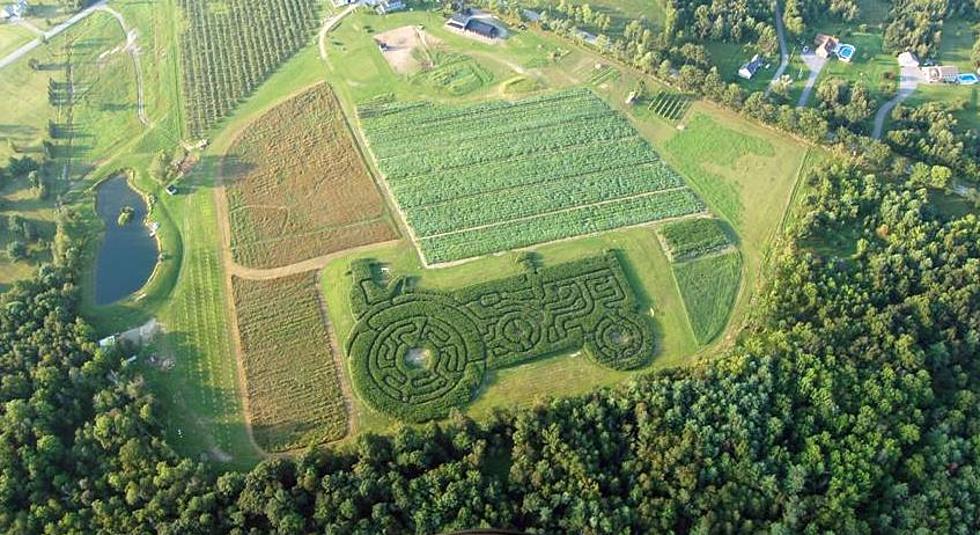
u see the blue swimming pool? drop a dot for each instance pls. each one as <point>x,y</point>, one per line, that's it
<point>968,78</point>
<point>845,52</point>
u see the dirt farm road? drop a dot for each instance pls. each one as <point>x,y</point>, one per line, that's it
<point>783,49</point>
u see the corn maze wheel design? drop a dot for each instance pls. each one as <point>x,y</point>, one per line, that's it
<point>417,356</point>
<point>620,341</point>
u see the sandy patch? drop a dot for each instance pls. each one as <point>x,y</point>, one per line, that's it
<point>398,48</point>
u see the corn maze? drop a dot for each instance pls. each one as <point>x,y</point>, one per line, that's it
<point>228,48</point>
<point>480,179</point>
<point>416,354</point>
<point>292,382</point>
<point>669,105</point>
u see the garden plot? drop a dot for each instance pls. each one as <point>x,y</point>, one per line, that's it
<point>543,169</point>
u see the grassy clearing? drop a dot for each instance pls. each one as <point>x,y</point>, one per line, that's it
<point>292,382</point>
<point>705,147</point>
<point>454,74</point>
<point>541,169</point>
<point>229,48</point>
<point>708,286</point>
<point>297,186</point>
<point>957,43</point>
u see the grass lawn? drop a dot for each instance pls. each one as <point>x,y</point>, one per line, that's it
<point>729,58</point>
<point>647,266</point>
<point>14,36</point>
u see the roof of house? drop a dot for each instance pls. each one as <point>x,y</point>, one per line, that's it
<point>827,42</point>
<point>460,19</point>
<point>482,28</point>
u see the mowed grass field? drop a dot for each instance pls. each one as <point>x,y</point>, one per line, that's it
<point>292,381</point>
<point>297,186</point>
<point>545,168</point>
<point>709,285</point>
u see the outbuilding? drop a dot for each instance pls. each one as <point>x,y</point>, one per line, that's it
<point>908,59</point>
<point>749,69</point>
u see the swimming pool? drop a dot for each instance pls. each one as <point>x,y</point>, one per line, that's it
<point>968,78</point>
<point>845,52</point>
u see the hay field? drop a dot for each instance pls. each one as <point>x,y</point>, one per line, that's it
<point>298,188</point>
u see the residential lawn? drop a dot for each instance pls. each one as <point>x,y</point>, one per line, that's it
<point>963,98</point>
<point>12,37</point>
<point>729,58</point>
<point>647,266</point>
<point>709,286</point>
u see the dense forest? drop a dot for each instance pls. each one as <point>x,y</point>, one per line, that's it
<point>850,403</point>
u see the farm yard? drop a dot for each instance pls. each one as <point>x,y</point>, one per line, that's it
<point>231,47</point>
<point>297,186</point>
<point>531,167</point>
<point>293,383</point>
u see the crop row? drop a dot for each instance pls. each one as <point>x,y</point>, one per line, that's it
<point>228,50</point>
<point>693,237</point>
<point>559,225</point>
<point>532,171</point>
<point>478,152</point>
<point>388,119</point>
<point>292,381</point>
<point>554,195</point>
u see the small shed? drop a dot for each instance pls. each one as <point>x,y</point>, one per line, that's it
<point>389,6</point>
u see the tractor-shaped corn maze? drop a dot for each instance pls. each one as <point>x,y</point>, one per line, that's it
<point>415,354</point>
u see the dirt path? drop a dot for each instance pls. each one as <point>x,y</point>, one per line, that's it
<point>329,24</point>
<point>815,63</point>
<point>909,80</point>
<point>783,49</point>
<point>132,48</point>
<point>338,357</point>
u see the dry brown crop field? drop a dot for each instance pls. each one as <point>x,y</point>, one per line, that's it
<point>298,188</point>
<point>292,381</point>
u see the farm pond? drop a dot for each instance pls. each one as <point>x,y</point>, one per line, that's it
<point>128,252</point>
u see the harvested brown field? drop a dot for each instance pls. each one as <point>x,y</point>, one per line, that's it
<point>292,380</point>
<point>298,188</point>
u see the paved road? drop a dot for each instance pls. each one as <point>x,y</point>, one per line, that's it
<point>48,35</point>
<point>783,49</point>
<point>907,82</point>
<point>815,63</point>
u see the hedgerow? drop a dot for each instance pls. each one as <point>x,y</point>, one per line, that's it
<point>587,304</point>
<point>691,238</point>
<point>493,176</point>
